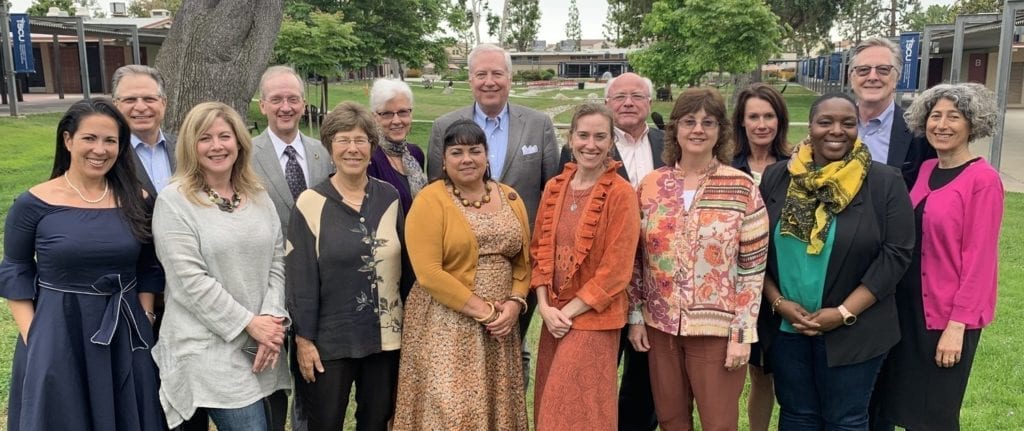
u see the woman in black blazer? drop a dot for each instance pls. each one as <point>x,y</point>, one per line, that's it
<point>844,228</point>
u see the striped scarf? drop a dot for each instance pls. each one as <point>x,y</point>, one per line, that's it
<point>816,195</point>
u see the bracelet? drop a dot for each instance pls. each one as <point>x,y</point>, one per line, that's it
<point>151,315</point>
<point>776,302</point>
<point>521,301</point>
<point>490,317</point>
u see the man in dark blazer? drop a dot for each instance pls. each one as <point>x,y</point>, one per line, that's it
<point>282,100</point>
<point>874,71</point>
<point>521,147</point>
<point>287,163</point>
<point>639,149</point>
<point>139,94</point>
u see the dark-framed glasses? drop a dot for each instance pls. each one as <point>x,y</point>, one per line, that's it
<point>881,70</point>
<point>401,113</point>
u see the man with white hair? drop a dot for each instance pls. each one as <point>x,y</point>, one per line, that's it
<point>874,72</point>
<point>521,147</point>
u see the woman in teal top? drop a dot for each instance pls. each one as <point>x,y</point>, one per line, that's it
<point>843,233</point>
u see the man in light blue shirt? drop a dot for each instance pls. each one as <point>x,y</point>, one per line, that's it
<point>139,94</point>
<point>522,150</point>
<point>874,71</point>
<point>496,131</point>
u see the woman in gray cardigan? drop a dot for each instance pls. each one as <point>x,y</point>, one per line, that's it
<point>219,239</point>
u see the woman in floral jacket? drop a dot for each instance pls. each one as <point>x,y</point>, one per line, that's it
<point>695,295</point>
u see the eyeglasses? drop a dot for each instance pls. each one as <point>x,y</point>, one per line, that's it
<point>401,113</point>
<point>292,100</point>
<point>706,124</point>
<point>346,142</point>
<point>882,70</point>
<point>636,97</point>
<point>131,100</point>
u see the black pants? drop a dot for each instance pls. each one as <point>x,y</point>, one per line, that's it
<point>524,325</point>
<point>636,404</point>
<point>326,400</point>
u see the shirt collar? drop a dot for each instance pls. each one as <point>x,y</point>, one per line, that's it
<point>480,118</point>
<point>136,141</point>
<point>886,115</point>
<point>280,145</point>
<point>621,137</point>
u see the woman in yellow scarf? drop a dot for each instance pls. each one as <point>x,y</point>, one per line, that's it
<point>842,232</point>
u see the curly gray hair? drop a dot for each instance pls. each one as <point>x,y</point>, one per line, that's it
<point>974,101</point>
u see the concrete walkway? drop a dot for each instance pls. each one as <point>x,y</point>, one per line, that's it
<point>1011,161</point>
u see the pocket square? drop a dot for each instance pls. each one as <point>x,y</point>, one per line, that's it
<point>529,149</point>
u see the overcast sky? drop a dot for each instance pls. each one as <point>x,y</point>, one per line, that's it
<point>554,15</point>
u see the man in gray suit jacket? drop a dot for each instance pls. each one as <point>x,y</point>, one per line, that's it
<point>282,146</point>
<point>521,147</point>
<point>139,94</point>
<point>287,162</point>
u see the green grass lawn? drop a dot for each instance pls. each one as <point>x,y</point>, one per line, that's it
<point>995,397</point>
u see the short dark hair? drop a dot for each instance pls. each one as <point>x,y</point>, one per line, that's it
<point>121,177</point>
<point>345,117</point>
<point>464,132</point>
<point>829,96</point>
<point>758,90</point>
<point>690,102</point>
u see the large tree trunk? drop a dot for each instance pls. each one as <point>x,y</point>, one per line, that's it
<point>217,51</point>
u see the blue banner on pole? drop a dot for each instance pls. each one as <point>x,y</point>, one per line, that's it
<point>910,49</point>
<point>834,64</point>
<point>821,68</point>
<point>22,44</point>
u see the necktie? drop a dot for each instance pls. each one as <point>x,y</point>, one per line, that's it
<point>293,173</point>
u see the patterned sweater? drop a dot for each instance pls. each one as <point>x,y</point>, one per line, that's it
<point>699,271</point>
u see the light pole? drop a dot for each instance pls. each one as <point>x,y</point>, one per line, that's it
<point>5,44</point>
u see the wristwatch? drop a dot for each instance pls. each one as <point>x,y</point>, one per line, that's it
<point>848,317</point>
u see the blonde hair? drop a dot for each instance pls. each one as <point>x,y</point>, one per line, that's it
<point>190,175</point>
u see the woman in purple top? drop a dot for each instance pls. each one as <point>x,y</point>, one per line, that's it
<point>949,292</point>
<point>395,160</point>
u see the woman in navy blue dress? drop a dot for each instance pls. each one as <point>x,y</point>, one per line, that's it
<point>79,275</point>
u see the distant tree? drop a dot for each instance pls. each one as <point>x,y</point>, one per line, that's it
<point>141,8</point>
<point>217,50</point>
<point>41,7</point>
<point>523,22</point>
<point>861,19</point>
<point>572,28</point>
<point>327,57</point>
<point>934,14</point>
<point>746,34</point>
<point>625,20</point>
<point>969,7</point>
<point>895,13</point>
<point>464,18</point>
<point>808,22</point>
<point>400,30</point>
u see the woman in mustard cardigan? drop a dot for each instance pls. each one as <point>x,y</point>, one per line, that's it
<point>582,252</point>
<point>468,239</point>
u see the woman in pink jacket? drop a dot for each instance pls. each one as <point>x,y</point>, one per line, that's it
<point>949,292</point>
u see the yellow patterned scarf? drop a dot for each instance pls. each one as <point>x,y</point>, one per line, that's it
<point>816,195</point>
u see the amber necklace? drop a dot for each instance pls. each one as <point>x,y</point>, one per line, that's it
<point>477,203</point>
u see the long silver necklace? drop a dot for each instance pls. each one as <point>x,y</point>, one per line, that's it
<point>106,188</point>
